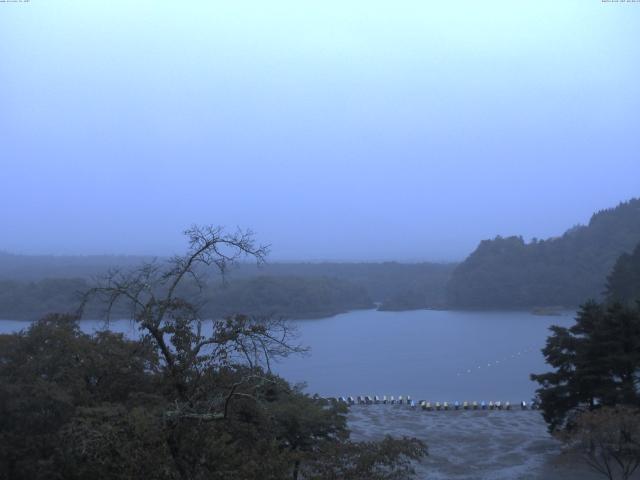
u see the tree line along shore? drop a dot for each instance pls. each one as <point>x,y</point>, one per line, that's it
<point>503,273</point>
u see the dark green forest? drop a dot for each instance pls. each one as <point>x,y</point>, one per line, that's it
<point>563,271</point>
<point>288,296</point>
<point>292,297</point>
<point>30,287</point>
<point>623,284</point>
<point>397,286</point>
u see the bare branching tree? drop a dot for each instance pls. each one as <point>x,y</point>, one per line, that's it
<point>153,295</point>
<point>608,439</point>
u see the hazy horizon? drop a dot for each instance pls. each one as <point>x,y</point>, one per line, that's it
<point>404,131</point>
<point>270,258</point>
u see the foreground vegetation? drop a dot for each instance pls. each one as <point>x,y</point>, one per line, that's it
<point>78,406</point>
<point>192,399</point>
<point>591,400</point>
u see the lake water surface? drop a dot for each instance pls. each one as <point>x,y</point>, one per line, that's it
<point>428,354</point>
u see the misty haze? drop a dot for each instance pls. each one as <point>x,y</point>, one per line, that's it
<point>345,240</point>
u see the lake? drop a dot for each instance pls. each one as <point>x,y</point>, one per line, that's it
<point>428,354</point>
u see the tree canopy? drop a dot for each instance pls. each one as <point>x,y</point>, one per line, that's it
<point>623,284</point>
<point>596,362</point>
<point>608,439</point>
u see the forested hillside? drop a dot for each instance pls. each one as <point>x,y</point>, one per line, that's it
<point>511,273</point>
<point>623,284</point>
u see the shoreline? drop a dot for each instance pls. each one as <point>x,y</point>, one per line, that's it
<point>537,311</point>
<point>471,445</point>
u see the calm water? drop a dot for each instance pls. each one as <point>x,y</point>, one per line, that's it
<point>434,355</point>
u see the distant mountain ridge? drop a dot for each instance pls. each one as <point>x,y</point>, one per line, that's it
<point>507,272</point>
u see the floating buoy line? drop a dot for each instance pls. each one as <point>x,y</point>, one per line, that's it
<point>444,406</point>
<point>496,363</point>
<point>433,406</point>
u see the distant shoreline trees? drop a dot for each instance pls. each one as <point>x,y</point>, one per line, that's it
<point>281,296</point>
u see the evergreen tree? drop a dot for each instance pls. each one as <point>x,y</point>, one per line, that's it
<point>596,361</point>
<point>623,284</point>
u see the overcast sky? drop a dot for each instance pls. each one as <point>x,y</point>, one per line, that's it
<point>345,130</point>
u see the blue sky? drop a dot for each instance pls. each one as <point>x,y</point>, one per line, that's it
<point>336,130</point>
